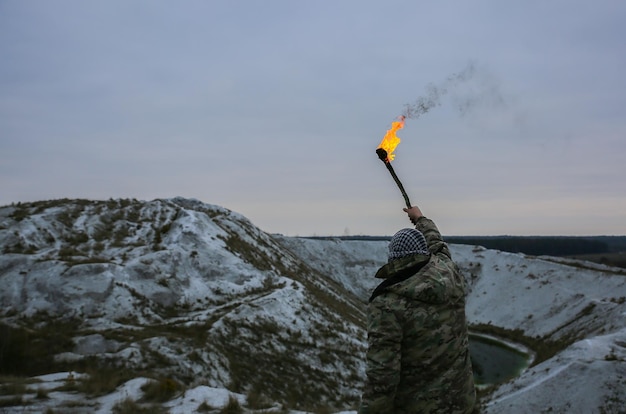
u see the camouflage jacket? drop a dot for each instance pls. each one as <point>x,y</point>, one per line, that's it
<point>418,358</point>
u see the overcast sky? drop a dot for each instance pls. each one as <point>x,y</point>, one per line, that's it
<point>274,109</point>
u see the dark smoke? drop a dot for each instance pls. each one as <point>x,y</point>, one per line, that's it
<point>470,88</point>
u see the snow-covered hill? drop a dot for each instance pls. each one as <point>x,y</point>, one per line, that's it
<point>186,306</point>
<point>572,313</point>
<point>182,290</point>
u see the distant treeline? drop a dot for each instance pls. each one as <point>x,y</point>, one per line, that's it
<point>536,246</point>
<point>531,245</point>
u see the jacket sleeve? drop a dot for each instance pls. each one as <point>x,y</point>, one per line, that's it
<point>383,359</point>
<point>436,245</point>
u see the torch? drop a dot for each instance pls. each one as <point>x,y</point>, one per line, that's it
<point>385,153</point>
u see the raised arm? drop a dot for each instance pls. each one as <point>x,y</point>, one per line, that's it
<point>436,245</point>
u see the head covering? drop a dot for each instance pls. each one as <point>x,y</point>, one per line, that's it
<point>407,242</point>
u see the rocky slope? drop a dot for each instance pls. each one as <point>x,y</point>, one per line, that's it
<point>178,306</point>
<point>176,289</point>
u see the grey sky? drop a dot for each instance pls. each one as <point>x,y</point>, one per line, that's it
<point>274,109</point>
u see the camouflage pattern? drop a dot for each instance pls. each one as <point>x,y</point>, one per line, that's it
<point>418,358</point>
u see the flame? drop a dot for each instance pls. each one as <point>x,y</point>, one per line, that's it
<point>391,140</point>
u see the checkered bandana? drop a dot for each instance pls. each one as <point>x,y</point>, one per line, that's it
<point>407,242</point>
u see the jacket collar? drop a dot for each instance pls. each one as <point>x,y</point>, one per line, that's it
<point>402,265</point>
<point>399,270</point>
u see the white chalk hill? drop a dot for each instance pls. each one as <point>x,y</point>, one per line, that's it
<point>194,301</point>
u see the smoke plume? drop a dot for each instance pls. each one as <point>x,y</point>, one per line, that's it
<point>468,88</point>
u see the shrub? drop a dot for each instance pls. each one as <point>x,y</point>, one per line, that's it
<point>161,390</point>
<point>102,380</point>
<point>20,213</point>
<point>128,406</point>
<point>10,385</point>
<point>11,402</point>
<point>257,400</point>
<point>27,352</point>
<point>232,407</point>
<point>42,394</point>
<point>204,407</point>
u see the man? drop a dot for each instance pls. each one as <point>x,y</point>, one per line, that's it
<point>418,358</point>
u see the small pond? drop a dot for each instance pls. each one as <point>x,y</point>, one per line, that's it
<point>495,360</point>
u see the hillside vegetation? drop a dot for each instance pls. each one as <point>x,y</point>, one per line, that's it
<point>177,291</point>
<point>178,306</point>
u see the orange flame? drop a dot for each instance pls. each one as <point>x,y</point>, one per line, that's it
<point>391,140</point>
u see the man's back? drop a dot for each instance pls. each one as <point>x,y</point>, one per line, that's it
<point>418,358</point>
